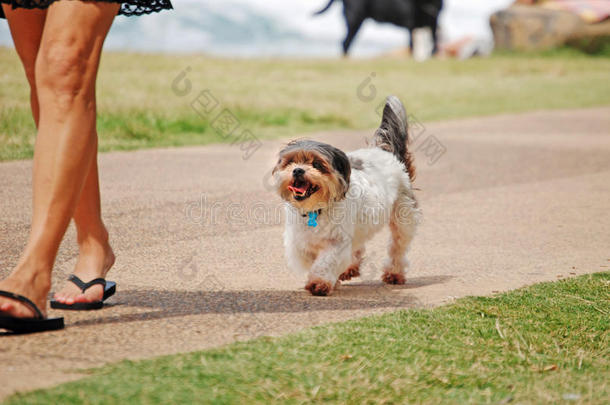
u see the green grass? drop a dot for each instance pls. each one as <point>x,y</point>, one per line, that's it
<point>548,343</point>
<point>271,98</point>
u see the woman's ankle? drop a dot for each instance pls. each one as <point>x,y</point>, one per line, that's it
<point>33,279</point>
<point>95,256</point>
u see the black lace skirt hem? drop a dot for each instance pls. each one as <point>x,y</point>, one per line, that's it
<point>128,7</point>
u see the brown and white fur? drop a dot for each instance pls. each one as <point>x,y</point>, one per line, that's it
<point>354,195</point>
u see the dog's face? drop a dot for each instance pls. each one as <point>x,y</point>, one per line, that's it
<point>310,175</point>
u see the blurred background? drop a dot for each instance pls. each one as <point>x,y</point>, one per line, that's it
<point>279,69</point>
<point>253,28</point>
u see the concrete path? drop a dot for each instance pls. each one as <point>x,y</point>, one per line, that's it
<point>512,201</point>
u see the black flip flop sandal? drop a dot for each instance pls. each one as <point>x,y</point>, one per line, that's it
<point>109,290</point>
<point>28,325</point>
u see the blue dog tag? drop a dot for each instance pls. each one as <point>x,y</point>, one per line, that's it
<point>313,217</point>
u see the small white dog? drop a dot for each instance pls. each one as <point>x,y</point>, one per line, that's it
<point>336,202</point>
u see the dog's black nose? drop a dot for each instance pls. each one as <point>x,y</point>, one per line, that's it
<point>298,172</point>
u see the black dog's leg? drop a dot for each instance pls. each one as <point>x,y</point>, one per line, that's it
<point>434,29</point>
<point>353,26</point>
<point>410,40</point>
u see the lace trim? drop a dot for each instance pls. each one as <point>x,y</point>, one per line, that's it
<point>128,7</point>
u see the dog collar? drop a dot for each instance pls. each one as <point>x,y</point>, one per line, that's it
<point>313,217</point>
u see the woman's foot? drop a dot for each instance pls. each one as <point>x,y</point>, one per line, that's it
<point>94,261</point>
<point>33,286</point>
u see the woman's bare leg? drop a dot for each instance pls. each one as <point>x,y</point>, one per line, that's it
<point>65,74</point>
<point>95,256</point>
<point>26,29</point>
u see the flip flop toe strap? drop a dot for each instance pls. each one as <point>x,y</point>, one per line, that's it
<point>23,300</point>
<point>85,286</point>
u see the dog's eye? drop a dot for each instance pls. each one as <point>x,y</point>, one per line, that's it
<point>319,166</point>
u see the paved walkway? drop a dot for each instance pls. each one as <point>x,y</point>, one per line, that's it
<point>513,200</point>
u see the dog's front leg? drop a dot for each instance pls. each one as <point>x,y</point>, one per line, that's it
<point>327,267</point>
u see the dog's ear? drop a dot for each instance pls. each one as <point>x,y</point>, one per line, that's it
<point>341,164</point>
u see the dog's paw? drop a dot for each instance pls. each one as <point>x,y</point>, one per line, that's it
<point>393,278</point>
<point>353,271</point>
<point>319,287</point>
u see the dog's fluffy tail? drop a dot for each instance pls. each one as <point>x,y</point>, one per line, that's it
<point>393,134</point>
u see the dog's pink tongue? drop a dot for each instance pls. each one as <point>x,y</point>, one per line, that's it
<point>299,190</point>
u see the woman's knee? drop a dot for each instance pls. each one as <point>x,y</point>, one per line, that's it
<point>62,68</point>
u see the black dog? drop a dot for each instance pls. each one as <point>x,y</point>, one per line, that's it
<point>410,14</point>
